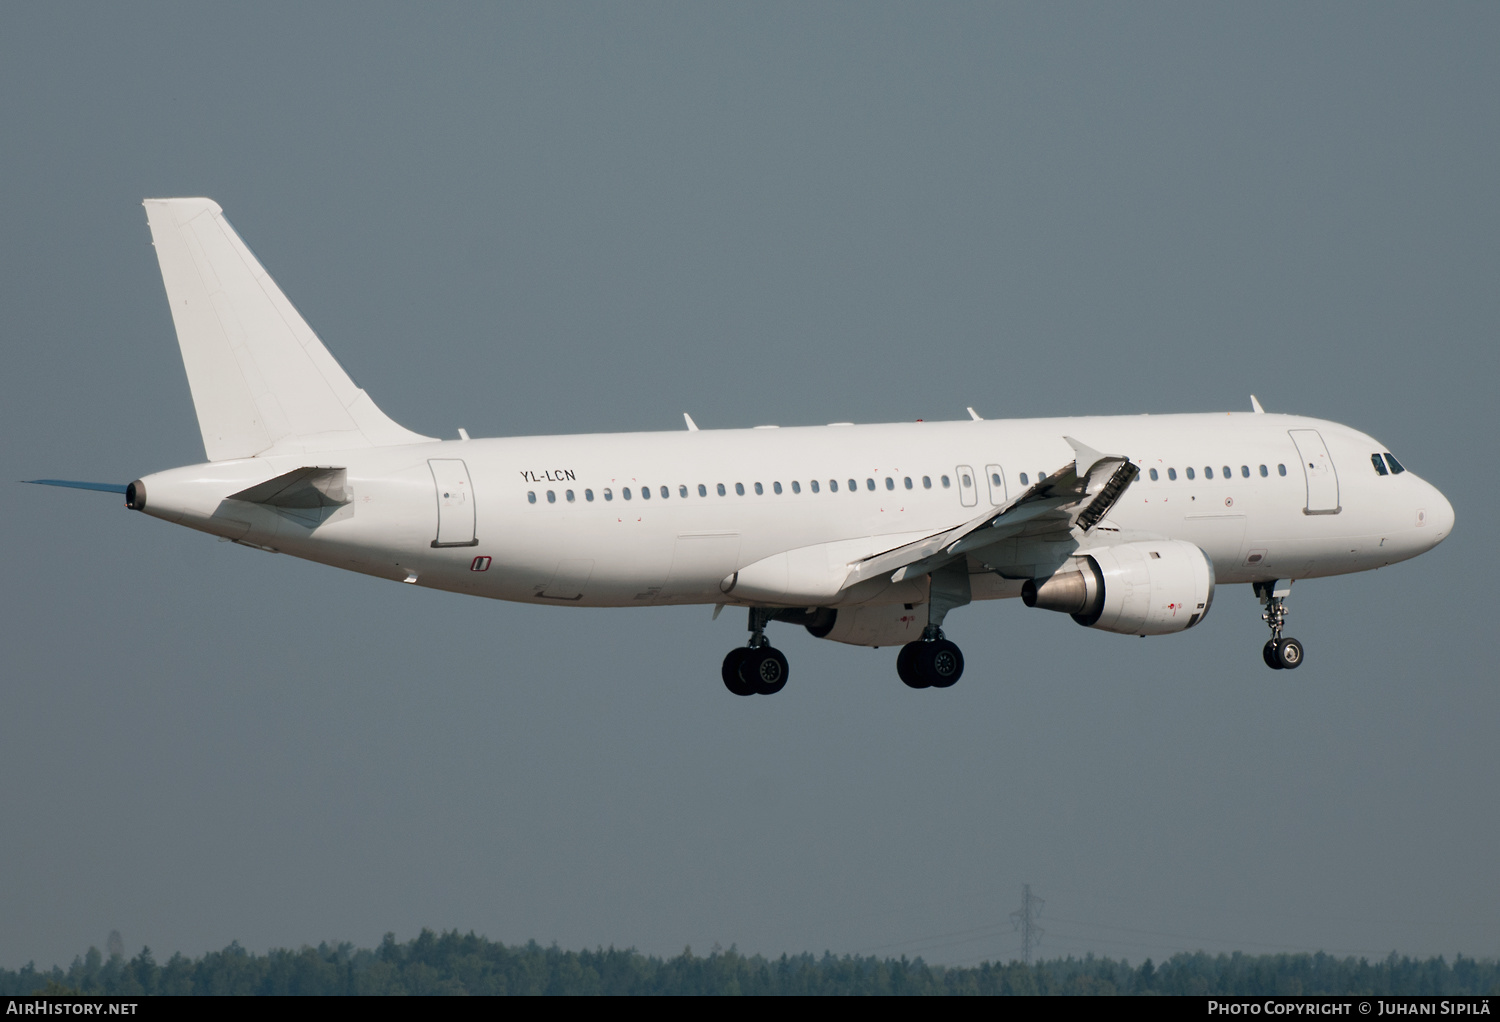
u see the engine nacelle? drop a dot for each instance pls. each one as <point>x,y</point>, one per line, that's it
<point>1143,588</point>
<point>888,624</point>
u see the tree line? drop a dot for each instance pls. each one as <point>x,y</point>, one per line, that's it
<point>454,963</point>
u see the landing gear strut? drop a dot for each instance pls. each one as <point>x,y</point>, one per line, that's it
<point>1279,654</point>
<point>758,668</point>
<point>932,661</point>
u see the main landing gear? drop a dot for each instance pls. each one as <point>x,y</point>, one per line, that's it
<point>930,662</point>
<point>1279,654</point>
<point>758,669</point>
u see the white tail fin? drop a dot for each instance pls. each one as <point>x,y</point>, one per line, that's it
<point>262,382</point>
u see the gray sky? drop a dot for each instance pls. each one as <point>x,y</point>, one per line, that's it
<point>570,218</point>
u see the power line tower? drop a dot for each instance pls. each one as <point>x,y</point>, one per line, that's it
<point>1025,919</point>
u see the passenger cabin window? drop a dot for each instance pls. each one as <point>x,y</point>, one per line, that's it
<point>665,493</point>
<point>853,485</point>
<point>1172,474</point>
<point>1282,469</point>
<point>833,486</point>
<point>682,490</point>
<point>588,495</point>
<point>609,494</point>
<point>995,478</point>
<point>776,487</point>
<point>1190,472</point>
<point>1228,474</point>
<point>796,486</point>
<point>1154,476</point>
<point>531,496</point>
<point>759,490</point>
<point>645,493</point>
<point>625,493</point>
<point>1245,471</point>
<point>908,482</point>
<point>1263,472</point>
<point>1208,471</point>
<point>870,484</point>
<point>890,484</point>
<point>1026,480</point>
<point>703,490</point>
<point>1396,466</point>
<point>739,489</point>
<point>569,495</point>
<point>968,480</point>
<point>814,485</point>
<point>927,482</point>
<point>721,489</point>
<point>945,482</point>
<point>551,497</point>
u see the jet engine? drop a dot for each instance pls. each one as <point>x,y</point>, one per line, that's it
<point>1142,588</point>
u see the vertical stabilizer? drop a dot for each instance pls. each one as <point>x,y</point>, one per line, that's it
<point>262,381</point>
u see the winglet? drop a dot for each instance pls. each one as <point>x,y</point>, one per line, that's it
<point>691,425</point>
<point>975,415</point>
<point>1085,457</point>
<point>1256,406</point>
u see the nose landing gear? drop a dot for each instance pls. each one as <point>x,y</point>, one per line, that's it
<point>1278,653</point>
<point>758,669</point>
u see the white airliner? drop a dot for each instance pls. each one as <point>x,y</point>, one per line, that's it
<point>867,534</point>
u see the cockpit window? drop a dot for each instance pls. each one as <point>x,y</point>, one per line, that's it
<point>1379,465</point>
<point>1396,466</point>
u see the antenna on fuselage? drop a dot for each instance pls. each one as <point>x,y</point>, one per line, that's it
<point>691,425</point>
<point>1254,404</point>
<point>975,415</point>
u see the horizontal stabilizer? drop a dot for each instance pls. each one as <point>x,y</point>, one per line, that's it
<point>301,488</point>
<point>73,484</point>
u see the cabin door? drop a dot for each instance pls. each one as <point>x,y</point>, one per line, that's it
<point>968,488</point>
<point>455,502</point>
<point>995,477</point>
<point>1317,466</point>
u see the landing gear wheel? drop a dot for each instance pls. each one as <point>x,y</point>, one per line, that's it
<point>942,663</point>
<point>731,672</point>
<point>1289,653</point>
<point>1269,654</point>
<point>930,663</point>
<point>764,670</point>
<point>908,665</point>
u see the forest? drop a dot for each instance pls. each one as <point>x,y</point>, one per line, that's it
<point>453,963</point>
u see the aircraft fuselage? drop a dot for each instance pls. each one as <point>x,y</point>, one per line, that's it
<point>646,519</point>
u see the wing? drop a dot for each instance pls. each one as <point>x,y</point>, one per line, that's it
<point>1075,497</point>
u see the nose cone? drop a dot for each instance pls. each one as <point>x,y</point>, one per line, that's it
<point>1438,516</point>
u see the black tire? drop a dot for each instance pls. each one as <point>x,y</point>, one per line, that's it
<point>942,662</point>
<point>1289,654</point>
<point>765,670</point>
<point>1269,655</point>
<point>906,665</point>
<point>731,672</point>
